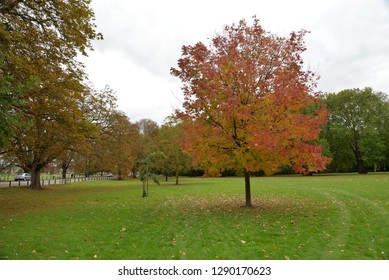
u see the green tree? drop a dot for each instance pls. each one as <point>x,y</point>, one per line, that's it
<point>8,101</point>
<point>357,127</point>
<point>148,168</point>
<point>168,142</point>
<point>144,143</point>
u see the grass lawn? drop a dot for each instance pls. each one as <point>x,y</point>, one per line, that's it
<point>315,217</point>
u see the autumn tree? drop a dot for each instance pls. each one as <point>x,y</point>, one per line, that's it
<point>65,160</point>
<point>99,108</point>
<point>95,108</point>
<point>357,130</point>
<point>117,145</point>
<point>40,40</point>
<point>48,134</point>
<point>249,104</point>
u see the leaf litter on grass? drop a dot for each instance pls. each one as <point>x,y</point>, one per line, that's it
<point>229,203</point>
<point>270,219</point>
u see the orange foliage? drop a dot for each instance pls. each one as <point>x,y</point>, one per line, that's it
<point>248,102</point>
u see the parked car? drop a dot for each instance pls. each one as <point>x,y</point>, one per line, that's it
<point>22,177</point>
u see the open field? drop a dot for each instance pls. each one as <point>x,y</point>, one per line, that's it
<point>315,217</point>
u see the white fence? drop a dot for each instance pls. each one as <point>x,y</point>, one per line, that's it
<point>55,181</point>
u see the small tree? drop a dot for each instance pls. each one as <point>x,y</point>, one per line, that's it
<point>143,143</point>
<point>248,103</point>
<point>147,170</point>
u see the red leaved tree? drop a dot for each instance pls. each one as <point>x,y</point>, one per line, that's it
<point>249,104</point>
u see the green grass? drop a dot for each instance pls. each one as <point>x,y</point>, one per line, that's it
<point>316,217</point>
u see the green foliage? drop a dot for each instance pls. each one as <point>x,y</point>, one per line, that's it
<point>10,103</point>
<point>147,169</point>
<point>144,142</point>
<point>175,160</point>
<point>315,217</point>
<point>358,128</point>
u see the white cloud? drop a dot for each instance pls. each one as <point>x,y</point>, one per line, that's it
<point>348,44</point>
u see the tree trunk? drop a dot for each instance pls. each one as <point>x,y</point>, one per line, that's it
<point>177,178</point>
<point>360,162</point>
<point>64,171</point>
<point>65,164</point>
<point>133,173</point>
<point>35,183</point>
<point>248,188</point>
<point>361,167</point>
<point>120,175</point>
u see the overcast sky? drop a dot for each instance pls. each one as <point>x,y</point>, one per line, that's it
<point>348,46</point>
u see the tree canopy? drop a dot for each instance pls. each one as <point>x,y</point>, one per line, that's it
<point>249,104</point>
<point>175,160</point>
<point>357,130</point>
<point>40,41</point>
